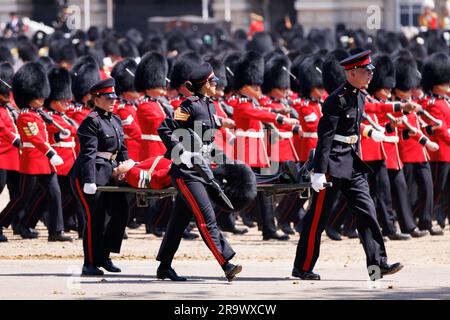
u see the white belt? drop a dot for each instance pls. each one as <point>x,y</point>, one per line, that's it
<point>107,155</point>
<point>250,134</point>
<point>285,135</point>
<point>151,137</point>
<point>27,145</point>
<point>349,140</point>
<point>64,144</point>
<point>310,135</point>
<point>126,136</point>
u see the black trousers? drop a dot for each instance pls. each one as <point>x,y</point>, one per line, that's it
<point>418,175</point>
<point>400,201</point>
<point>356,191</point>
<point>24,204</point>
<point>11,179</point>
<point>441,189</point>
<point>72,208</point>
<point>192,199</point>
<point>101,238</point>
<point>380,191</point>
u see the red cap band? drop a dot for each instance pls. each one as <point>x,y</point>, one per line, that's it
<point>358,64</point>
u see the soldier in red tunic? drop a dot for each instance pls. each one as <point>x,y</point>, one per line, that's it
<point>39,160</point>
<point>9,138</point>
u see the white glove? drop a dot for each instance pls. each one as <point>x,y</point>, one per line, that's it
<point>377,136</point>
<point>432,146</point>
<point>90,188</point>
<point>56,160</point>
<point>186,158</point>
<point>317,181</point>
<point>64,135</point>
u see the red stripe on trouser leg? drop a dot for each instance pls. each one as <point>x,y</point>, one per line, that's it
<point>88,222</point>
<point>201,222</point>
<point>312,233</point>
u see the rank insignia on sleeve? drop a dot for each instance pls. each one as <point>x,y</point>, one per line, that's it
<point>31,129</point>
<point>180,115</point>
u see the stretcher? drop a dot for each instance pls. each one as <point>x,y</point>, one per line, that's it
<point>143,195</point>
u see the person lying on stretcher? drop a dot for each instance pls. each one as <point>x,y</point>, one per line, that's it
<point>151,173</point>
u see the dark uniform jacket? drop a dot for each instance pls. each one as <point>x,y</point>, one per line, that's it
<point>101,131</point>
<point>342,112</point>
<point>196,114</point>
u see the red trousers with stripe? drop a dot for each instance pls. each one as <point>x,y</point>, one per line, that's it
<point>356,192</point>
<point>193,199</point>
<point>99,239</point>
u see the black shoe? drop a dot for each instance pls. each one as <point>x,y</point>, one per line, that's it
<point>110,267</point>
<point>276,236</point>
<point>387,269</point>
<point>168,274</point>
<point>248,222</point>
<point>59,236</point>
<point>133,224</point>
<point>286,228</point>
<point>333,234</point>
<point>125,235</point>
<point>3,238</point>
<point>231,270</point>
<point>305,275</point>
<point>28,233</point>
<point>187,235</point>
<point>416,233</point>
<point>436,231</point>
<point>90,270</point>
<point>156,231</point>
<point>351,234</point>
<point>235,230</point>
<point>399,236</point>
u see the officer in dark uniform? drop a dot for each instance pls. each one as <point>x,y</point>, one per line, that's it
<point>337,160</point>
<point>101,148</point>
<point>196,115</point>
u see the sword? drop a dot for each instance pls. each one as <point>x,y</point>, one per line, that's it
<point>206,173</point>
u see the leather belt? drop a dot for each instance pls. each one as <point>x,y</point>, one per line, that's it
<point>346,139</point>
<point>107,155</point>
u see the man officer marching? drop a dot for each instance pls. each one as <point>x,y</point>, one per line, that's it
<point>337,160</point>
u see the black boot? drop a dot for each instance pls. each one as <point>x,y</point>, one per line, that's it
<point>90,270</point>
<point>231,270</point>
<point>3,238</point>
<point>109,266</point>
<point>167,272</point>
<point>59,236</point>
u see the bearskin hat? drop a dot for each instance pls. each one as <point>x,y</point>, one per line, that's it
<point>46,62</point>
<point>60,84</point>
<point>384,74</point>
<point>436,71</point>
<point>68,53</point>
<point>81,61</point>
<point>310,75</point>
<point>5,55</point>
<point>83,78</point>
<point>124,74</point>
<point>229,62</point>
<point>261,42</point>
<point>30,82</point>
<point>28,52</point>
<point>238,183</point>
<point>111,47</point>
<point>128,49</point>
<point>182,67</point>
<point>248,70</point>
<point>276,73</point>
<point>333,74</point>
<point>219,71</point>
<point>151,72</point>
<point>407,76</point>
<point>6,78</point>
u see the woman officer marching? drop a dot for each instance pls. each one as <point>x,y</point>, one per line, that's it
<point>101,148</point>
<point>196,112</point>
